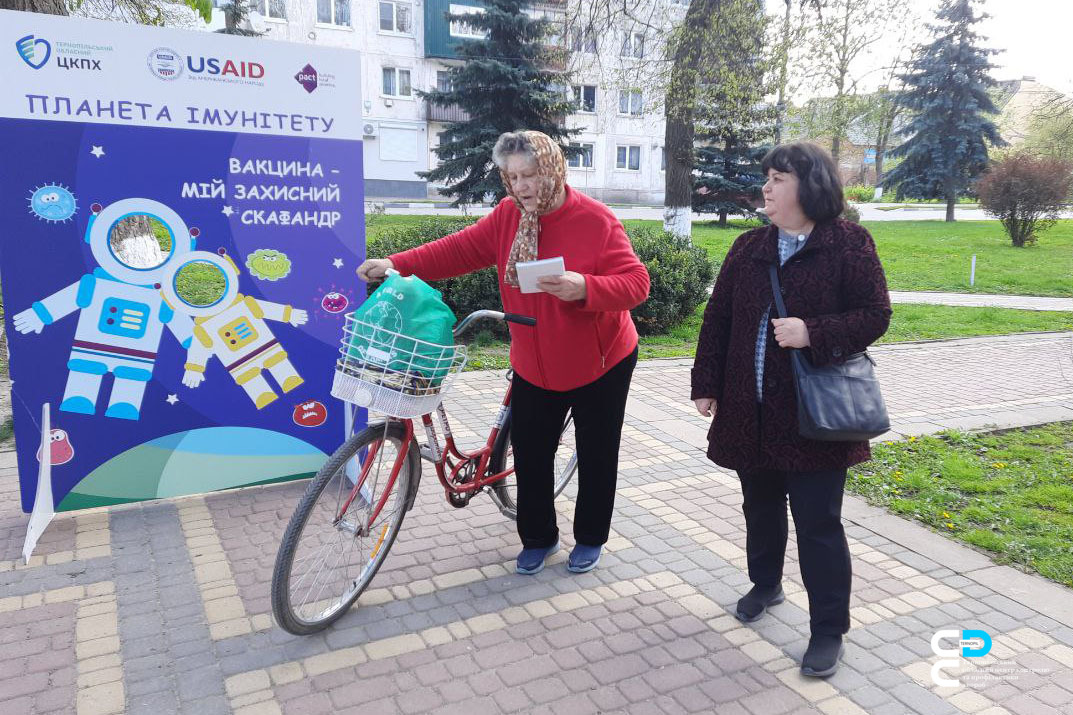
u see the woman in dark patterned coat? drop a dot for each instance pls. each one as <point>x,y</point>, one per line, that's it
<point>836,297</point>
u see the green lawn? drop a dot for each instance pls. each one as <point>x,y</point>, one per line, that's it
<point>923,255</point>
<point>917,255</point>
<point>1009,493</point>
<point>936,256</point>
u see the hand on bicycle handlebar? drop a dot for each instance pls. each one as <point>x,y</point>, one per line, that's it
<point>374,269</point>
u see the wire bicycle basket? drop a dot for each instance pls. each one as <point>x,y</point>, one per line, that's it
<point>391,373</point>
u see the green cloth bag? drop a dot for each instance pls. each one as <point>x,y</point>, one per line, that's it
<point>413,309</point>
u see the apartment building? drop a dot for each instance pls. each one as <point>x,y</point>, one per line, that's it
<point>408,45</point>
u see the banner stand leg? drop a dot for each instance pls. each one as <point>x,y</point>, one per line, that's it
<point>44,508</point>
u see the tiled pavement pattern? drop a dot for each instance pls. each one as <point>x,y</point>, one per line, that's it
<point>163,607</point>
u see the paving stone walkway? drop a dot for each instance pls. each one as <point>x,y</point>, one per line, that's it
<point>163,607</point>
<point>983,300</point>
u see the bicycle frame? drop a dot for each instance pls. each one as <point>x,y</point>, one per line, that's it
<point>441,458</point>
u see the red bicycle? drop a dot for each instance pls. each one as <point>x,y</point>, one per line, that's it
<point>352,510</point>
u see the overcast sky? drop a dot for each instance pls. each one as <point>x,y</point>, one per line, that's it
<point>1035,35</point>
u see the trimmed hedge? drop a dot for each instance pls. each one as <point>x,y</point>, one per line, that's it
<point>680,273</point>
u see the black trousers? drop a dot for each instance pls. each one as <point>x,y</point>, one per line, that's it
<point>816,504</point>
<point>538,415</point>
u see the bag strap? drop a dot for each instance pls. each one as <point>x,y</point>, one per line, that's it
<point>776,290</point>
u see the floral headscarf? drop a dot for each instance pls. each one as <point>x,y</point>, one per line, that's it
<point>551,167</point>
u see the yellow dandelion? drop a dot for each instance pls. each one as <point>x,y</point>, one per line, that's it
<point>945,515</point>
<point>912,438</point>
<point>949,525</point>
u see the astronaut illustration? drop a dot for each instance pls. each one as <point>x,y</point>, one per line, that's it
<point>234,328</point>
<point>121,318</point>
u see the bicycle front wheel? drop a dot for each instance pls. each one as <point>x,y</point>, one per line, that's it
<point>343,527</point>
<point>505,491</point>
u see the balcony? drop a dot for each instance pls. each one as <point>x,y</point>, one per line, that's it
<point>439,113</point>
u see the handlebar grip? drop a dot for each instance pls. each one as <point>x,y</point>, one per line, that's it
<point>519,319</point>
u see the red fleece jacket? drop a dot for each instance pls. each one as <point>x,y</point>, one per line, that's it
<point>573,343</point>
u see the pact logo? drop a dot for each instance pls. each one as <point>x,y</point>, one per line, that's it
<point>307,77</point>
<point>973,644</point>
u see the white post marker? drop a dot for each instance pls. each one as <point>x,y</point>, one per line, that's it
<point>972,273</point>
<point>44,508</point>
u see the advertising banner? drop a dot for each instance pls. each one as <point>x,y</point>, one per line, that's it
<point>183,216</point>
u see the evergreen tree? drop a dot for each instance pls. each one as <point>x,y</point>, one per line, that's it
<point>946,145</point>
<point>735,127</point>
<point>507,83</point>
<point>729,179</point>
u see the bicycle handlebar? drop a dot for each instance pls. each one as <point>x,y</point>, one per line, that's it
<point>464,324</point>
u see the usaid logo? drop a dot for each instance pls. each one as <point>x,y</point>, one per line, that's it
<point>307,77</point>
<point>973,644</point>
<point>165,63</point>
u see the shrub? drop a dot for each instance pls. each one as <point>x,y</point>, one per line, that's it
<point>474,291</point>
<point>1026,193</point>
<point>850,213</point>
<point>680,273</point>
<point>859,192</point>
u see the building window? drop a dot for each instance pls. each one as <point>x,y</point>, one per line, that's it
<point>663,158</point>
<point>583,40</point>
<point>556,20</point>
<point>633,45</point>
<point>396,82</point>
<point>582,160</point>
<point>584,97</point>
<point>628,158</point>
<point>275,9</point>
<point>333,12</point>
<point>396,17</point>
<point>629,102</point>
<point>443,81</point>
<point>461,28</point>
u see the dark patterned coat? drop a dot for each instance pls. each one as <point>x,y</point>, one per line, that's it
<point>835,283</point>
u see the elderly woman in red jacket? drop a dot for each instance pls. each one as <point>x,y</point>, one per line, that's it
<point>581,353</point>
<point>837,304</point>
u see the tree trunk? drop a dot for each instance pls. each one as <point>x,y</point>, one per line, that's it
<point>951,201</point>
<point>47,7</point>
<point>680,101</point>
<point>780,105</point>
<point>722,219</point>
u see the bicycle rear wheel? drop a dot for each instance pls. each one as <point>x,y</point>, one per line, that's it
<point>505,491</point>
<point>337,538</point>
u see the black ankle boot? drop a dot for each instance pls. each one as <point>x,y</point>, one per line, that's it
<point>821,658</point>
<point>753,604</point>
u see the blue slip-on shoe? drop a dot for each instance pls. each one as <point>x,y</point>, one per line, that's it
<point>583,558</point>
<point>531,561</point>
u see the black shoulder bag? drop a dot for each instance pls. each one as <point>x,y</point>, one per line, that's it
<point>835,403</point>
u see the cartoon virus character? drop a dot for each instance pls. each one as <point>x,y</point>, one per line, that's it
<point>334,302</point>
<point>235,330</point>
<point>61,451</point>
<point>53,203</point>
<point>121,314</point>
<point>268,264</point>
<point>310,414</point>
